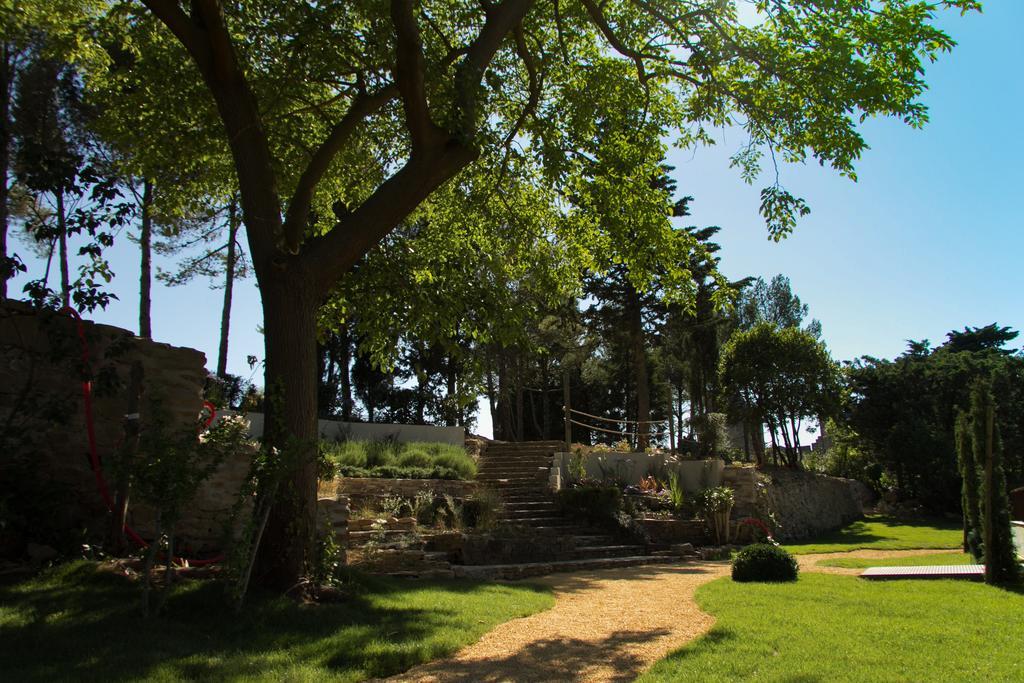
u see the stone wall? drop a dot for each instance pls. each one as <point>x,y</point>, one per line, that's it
<point>364,492</point>
<point>42,412</point>
<point>334,519</point>
<point>802,504</point>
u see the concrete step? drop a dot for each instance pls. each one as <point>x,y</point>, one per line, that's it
<point>530,514</point>
<point>526,570</point>
<point>540,521</point>
<point>512,472</point>
<point>588,540</point>
<point>597,551</point>
<point>534,507</point>
<point>527,444</point>
<point>531,487</point>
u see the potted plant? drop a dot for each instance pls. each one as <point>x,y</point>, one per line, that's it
<point>716,505</point>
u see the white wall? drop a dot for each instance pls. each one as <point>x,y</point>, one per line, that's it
<point>695,475</point>
<point>366,431</point>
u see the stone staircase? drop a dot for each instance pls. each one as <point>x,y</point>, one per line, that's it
<point>551,541</point>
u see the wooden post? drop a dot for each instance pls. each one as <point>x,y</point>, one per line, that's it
<point>567,407</point>
<point>989,528</point>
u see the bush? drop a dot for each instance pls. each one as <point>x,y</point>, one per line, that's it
<point>394,460</point>
<point>396,472</point>
<point>764,562</point>
<point>598,504</point>
<point>482,511</point>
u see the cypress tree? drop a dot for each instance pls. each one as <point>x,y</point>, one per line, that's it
<point>1000,560</point>
<point>971,490</point>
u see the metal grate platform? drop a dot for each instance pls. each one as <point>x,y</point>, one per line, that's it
<point>972,572</point>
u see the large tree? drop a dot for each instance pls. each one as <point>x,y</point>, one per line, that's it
<point>380,104</point>
<point>904,410</point>
<point>779,377</point>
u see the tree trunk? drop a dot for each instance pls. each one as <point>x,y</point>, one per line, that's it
<point>504,398</point>
<point>545,408</point>
<point>345,363</point>
<point>62,241</point>
<point>229,286</point>
<point>643,389</point>
<point>519,398</point>
<point>452,416</point>
<point>146,261</point>
<point>492,399</point>
<point>6,78</point>
<point>289,315</point>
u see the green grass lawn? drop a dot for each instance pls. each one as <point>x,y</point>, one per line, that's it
<point>76,624</point>
<point>842,628</point>
<point>913,561</point>
<point>878,532</point>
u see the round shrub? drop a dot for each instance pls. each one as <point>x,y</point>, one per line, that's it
<point>764,562</point>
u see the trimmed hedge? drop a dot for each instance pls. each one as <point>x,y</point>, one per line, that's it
<point>764,562</point>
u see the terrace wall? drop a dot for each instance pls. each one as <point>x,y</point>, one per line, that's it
<point>42,411</point>
<point>802,504</point>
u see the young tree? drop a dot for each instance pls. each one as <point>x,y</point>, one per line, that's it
<point>1001,565</point>
<point>383,109</point>
<point>971,490</point>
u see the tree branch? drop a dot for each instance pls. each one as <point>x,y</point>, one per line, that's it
<point>170,14</point>
<point>409,74</point>
<point>534,89</point>
<point>298,208</point>
<point>501,20</point>
<point>332,255</point>
<point>211,15</point>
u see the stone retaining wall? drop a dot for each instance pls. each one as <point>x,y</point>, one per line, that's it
<point>802,504</point>
<point>42,411</point>
<point>363,492</point>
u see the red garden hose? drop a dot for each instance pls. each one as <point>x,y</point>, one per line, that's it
<point>94,458</point>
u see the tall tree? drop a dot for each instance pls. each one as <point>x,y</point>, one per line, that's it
<point>904,411</point>
<point>393,105</point>
<point>774,302</point>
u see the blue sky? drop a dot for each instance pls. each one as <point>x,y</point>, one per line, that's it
<point>930,238</point>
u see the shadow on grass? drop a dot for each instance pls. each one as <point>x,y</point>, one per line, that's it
<point>550,659</point>
<point>878,529</point>
<point>576,582</point>
<point>80,624</point>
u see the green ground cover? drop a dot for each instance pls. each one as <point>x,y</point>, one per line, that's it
<point>392,459</point>
<point>913,561</point>
<point>73,623</point>
<point>842,628</point>
<point>878,532</point>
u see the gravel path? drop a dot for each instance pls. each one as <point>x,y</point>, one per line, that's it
<point>606,625</point>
